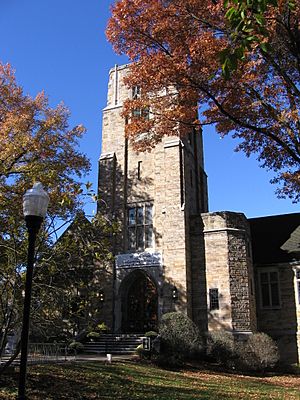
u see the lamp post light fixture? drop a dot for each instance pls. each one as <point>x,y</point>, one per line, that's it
<point>35,203</point>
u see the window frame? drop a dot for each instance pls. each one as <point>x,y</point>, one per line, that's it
<point>269,271</point>
<point>135,92</point>
<point>145,226</point>
<point>139,113</point>
<point>214,299</point>
<point>297,277</point>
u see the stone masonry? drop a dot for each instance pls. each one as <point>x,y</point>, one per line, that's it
<point>197,262</point>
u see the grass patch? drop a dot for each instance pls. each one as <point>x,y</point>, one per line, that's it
<point>129,380</point>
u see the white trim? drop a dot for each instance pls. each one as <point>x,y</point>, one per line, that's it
<point>297,285</point>
<point>116,86</point>
<point>106,156</point>
<point>120,67</point>
<point>172,143</point>
<point>113,107</point>
<point>224,230</point>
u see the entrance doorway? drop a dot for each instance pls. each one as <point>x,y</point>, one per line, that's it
<point>139,304</point>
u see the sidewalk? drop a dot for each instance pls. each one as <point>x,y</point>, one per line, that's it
<point>77,358</point>
<point>103,357</point>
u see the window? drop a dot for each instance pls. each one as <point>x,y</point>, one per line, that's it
<point>269,289</point>
<point>140,228</point>
<point>298,284</point>
<point>139,170</point>
<point>214,299</point>
<point>141,113</point>
<point>136,92</point>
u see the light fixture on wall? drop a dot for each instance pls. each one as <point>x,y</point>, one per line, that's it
<point>174,293</point>
<point>101,296</point>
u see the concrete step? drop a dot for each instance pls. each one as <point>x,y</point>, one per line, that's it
<point>114,344</point>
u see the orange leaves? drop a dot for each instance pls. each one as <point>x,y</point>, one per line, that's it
<point>172,42</point>
<point>177,45</point>
<point>36,144</point>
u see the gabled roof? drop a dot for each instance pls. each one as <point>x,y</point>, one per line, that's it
<point>80,221</point>
<point>275,239</point>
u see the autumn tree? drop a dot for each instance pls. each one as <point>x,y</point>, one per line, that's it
<point>177,48</point>
<point>36,144</point>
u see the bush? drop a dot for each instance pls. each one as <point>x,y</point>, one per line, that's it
<point>143,354</point>
<point>179,336</point>
<point>77,347</point>
<point>101,328</point>
<point>151,334</point>
<point>258,353</point>
<point>93,335</point>
<point>221,347</point>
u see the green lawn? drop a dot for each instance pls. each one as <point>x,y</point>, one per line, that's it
<point>96,380</point>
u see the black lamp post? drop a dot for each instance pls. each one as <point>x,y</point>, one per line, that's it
<point>35,203</point>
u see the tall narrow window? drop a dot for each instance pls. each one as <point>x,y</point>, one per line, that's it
<point>139,170</point>
<point>139,112</point>
<point>298,284</point>
<point>269,289</point>
<point>140,227</point>
<point>136,92</point>
<point>214,299</point>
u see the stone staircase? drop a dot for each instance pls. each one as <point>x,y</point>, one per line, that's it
<point>116,344</point>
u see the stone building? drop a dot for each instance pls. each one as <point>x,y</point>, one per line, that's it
<point>173,255</point>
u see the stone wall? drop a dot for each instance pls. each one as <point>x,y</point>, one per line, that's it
<point>198,272</point>
<point>197,254</point>
<point>199,251</point>
<point>170,176</point>
<point>228,267</point>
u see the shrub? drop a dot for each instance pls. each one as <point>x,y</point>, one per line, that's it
<point>76,346</point>
<point>95,331</point>
<point>151,334</point>
<point>143,354</point>
<point>101,328</point>
<point>221,347</point>
<point>93,335</point>
<point>258,353</point>
<point>179,335</point>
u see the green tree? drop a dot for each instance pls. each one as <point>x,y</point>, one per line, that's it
<point>249,22</point>
<point>72,278</point>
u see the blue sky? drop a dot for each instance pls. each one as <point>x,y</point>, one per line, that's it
<point>59,46</point>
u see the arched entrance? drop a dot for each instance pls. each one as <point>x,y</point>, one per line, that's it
<point>139,303</point>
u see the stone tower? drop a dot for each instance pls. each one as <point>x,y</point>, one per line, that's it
<point>165,259</point>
